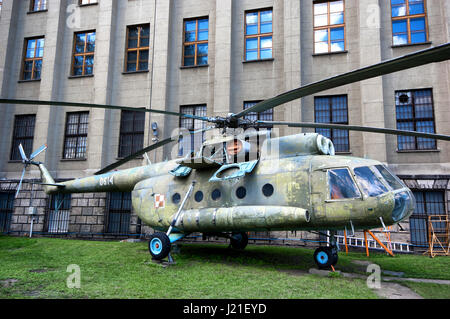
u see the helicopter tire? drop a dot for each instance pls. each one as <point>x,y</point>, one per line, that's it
<point>159,246</point>
<point>324,257</point>
<point>239,240</point>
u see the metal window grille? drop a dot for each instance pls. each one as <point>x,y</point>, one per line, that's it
<point>266,115</point>
<point>428,203</point>
<point>75,140</point>
<point>333,109</point>
<point>23,133</point>
<point>58,213</point>
<point>6,210</point>
<point>119,212</point>
<point>414,112</point>
<point>131,132</point>
<point>192,125</point>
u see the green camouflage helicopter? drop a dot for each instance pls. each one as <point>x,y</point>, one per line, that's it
<point>243,182</point>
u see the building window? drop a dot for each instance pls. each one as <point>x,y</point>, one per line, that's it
<point>23,133</point>
<point>414,112</point>
<point>196,140</point>
<point>195,46</point>
<point>267,115</point>
<point>329,26</point>
<point>333,109</point>
<point>59,213</point>
<point>428,203</point>
<point>119,212</point>
<point>75,139</point>
<point>6,210</point>
<point>131,132</point>
<point>258,35</point>
<point>83,53</point>
<point>38,5</point>
<point>84,2</point>
<point>32,59</point>
<point>409,22</point>
<point>138,38</point>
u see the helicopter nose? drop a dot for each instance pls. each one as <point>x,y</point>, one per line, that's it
<point>404,205</point>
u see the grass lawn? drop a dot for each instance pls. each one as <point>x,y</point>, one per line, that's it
<point>37,268</point>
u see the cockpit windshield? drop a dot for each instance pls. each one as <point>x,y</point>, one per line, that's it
<point>390,179</point>
<point>341,184</point>
<point>369,182</point>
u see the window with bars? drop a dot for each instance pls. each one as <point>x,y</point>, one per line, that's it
<point>195,42</point>
<point>329,26</point>
<point>119,212</point>
<point>32,58</point>
<point>58,217</point>
<point>333,109</point>
<point>138,42</point>
<point>6,210</point>
<point>414,112</point>
<point>83,53</point>
<point>409,22</point>
<point>427,203</point>
<point>196,140</point>
<point>75,139</point>
<point>38,5</point>
<point>131,132</point>
<point>23,133</point>
<point>261,116</point>
<point>258,35</point>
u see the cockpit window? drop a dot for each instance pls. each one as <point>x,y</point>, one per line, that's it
<point>342,184</point>
<point>370,184</point>
<point>390,179</point>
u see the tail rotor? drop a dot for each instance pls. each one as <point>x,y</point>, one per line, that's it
<point>28,161</point>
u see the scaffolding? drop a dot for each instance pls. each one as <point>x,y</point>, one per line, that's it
<point>438,236</point>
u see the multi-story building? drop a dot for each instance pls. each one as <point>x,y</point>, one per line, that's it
<point>211,58</point>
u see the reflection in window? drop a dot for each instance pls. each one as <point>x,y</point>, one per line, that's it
<point>341,184</point>
<point>389,178</point>
<point>83,55</point>
<point>370,184</point>
<point>137,48</point>
<point>329,26</point>
<point>258,35</point>
<point>195,48</point>
<point>409,22</point>
<point>32,63</point>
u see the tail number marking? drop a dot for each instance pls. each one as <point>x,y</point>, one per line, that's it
<point>106,181</point>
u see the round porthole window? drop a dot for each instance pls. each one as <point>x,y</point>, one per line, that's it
<point>198,196</point>
<point>267,190</point>
<point>176,198</point>
<point>241,192</point>
<point>215,195</point>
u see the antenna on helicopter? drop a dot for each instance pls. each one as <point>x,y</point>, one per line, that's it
<point>28,161</point>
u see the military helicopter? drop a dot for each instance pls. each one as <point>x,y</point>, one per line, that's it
<point>241,182</point>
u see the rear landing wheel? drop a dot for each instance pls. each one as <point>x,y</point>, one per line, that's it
<point>159,246</point>
<point>239,240</point>
<point>325,257</point>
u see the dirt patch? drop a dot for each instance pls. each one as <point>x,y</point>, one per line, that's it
<point>396,291</point>
<point>294,272</point>
<point>41,270</point>
<point>8,282</point>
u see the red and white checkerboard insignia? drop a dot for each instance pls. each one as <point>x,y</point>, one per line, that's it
<point>160,201</point>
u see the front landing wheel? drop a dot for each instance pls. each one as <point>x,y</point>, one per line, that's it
<point>325,257</point>
<point>159,246</point>
<point>239,240</point>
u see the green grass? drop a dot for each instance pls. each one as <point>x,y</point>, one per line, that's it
<point>125,270</point>
<point>430,291</point>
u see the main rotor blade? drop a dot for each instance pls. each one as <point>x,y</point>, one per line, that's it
<point>20,183</point>
<point>145,150</point>
<point>101,106</point>
<point>38,151</point>
<point>435,54</point>
<point>361,129</point>
<point>22,153</point>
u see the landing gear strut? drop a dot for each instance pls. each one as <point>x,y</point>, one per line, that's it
<point>325,257</point>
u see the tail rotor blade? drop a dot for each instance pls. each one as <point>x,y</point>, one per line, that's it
<point>20,183</point>
<point>38,151</point>
<point>22,153</point>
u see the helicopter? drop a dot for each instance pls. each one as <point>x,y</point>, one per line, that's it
<point>244,179</point>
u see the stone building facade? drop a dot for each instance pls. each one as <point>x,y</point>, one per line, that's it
<point>297,42</point>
